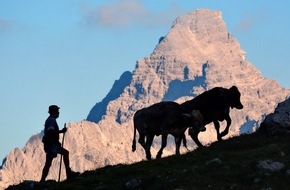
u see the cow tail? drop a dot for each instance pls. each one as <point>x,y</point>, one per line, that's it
<point>134,140</point>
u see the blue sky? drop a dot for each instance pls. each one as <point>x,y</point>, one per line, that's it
<point>70,52</point>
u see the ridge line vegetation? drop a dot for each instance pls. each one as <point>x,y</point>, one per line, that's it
<point>230,164</point>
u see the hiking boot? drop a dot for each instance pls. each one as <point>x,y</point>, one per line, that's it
<point>71,174</point>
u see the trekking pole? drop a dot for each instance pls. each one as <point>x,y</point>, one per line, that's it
<point>61,154</point>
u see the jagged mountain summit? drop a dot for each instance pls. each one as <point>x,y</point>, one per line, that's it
<point>197,54</point>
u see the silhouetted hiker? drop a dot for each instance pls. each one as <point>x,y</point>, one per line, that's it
<point>51,143</point>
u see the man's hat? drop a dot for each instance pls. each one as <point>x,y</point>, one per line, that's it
<point>53,108</point>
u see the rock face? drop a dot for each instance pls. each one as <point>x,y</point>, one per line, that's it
<point>196,55</point>
<point>279,121</point>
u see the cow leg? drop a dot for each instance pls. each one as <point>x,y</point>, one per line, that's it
<point>163,145</point>
<point>217,128</point>
<point>149,140</point>
<point>178,140</point>
<point>183,139</point>
<point>229,122</point>
<point>194,135</point>
<point>141,140</point>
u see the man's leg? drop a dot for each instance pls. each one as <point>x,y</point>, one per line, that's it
<point>46,167</point>
<point>69,172</point>
<point>65,154</point>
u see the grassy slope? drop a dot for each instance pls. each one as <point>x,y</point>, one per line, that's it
<point>237,169</point>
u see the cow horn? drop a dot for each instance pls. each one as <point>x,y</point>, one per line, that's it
<point>186,114</point>
<point>234,88</point>
<point>196,113</point>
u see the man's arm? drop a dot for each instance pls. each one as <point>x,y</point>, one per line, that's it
<point>63,130</point>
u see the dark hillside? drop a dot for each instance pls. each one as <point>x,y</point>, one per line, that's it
<point>253,161</point>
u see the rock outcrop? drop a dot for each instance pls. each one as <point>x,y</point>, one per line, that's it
<point>279,121</point>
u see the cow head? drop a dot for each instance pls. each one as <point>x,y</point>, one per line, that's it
<point>234,96</point>
<point>196,120</point>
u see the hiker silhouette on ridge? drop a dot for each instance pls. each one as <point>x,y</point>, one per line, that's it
<point>51,143</point>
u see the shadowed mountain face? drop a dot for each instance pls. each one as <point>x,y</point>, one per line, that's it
<point>99,109</point>
<point>197,54</point>
<point>178,88</point>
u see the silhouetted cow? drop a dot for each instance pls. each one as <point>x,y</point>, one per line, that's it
<point>162,119</point>
<point>214,105</point>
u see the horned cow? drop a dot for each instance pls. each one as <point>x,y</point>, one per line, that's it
<point>162,119</point>
<point>214,105</point>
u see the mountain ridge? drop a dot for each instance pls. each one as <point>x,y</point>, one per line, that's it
<point>249,161</point>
